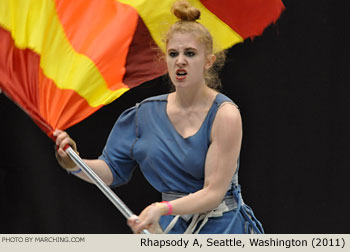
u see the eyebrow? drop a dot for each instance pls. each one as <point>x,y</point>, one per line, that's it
<point>186,49</point>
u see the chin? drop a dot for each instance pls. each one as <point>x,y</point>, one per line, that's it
<point>181,84</point>
<point>178,83</point>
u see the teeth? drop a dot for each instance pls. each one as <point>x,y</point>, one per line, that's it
<point>181,73</point>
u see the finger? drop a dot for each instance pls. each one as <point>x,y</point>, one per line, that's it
<point>56,132</point>
<point>62,153</point>
<point>139,229</point>
<point>142,225</point>
<point>132,222</point>
<point>67,141</point>
<point>60,136</point>
<point>64,142</point>
<point>74,145</point>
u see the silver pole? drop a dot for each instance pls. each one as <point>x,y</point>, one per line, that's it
<point>101,185</point>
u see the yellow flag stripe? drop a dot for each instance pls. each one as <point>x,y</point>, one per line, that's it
<point>158,18</point>
<point>34,24</point>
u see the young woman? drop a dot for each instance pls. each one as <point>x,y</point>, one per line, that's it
<point>186,143</point>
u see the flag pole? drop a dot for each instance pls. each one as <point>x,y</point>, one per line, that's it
<point>101,185</point>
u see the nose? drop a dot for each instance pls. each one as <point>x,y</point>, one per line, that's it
<point>181,61</point>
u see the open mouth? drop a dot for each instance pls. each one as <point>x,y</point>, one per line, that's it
<point>181,74</point>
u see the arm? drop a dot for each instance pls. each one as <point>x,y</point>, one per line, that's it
<point>221,163</point>
<point>98,166</point>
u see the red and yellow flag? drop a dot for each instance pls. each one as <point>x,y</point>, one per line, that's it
<point>61,60</point>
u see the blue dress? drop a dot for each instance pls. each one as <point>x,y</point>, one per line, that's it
<point>144,135</point>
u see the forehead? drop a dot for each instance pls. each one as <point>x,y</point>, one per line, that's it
<point>183,40</point>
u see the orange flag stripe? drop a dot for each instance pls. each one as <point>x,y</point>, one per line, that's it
<point>94,29</point>
<point>63,107</point>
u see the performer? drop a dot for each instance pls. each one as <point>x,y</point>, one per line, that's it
<point>186,143</point>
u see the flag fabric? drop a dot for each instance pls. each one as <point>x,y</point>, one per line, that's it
<point>61,60</point>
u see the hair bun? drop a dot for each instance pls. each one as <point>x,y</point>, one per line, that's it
<point>185,12</point>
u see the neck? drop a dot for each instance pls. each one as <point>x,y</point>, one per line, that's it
<point>190,97</point>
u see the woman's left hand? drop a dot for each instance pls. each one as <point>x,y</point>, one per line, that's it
<point>148,219</point>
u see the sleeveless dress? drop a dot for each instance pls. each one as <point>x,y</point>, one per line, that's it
<point>144,135</point>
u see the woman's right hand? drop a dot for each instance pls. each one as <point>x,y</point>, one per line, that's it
<point>63,139</point>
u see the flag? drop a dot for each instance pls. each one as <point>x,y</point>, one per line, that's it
<point>62,60</point>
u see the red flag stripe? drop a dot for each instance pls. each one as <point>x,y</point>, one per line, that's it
<point>44,107</point>
<point>22,87</point>
<point>144,60</point>
<point>247,18</point>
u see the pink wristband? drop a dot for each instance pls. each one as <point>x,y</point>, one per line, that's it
<point>170,207</point>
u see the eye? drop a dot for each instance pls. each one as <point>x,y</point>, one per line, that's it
<point>173,54</point>
<point>190,53</point>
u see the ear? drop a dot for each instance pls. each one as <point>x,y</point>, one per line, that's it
<point>209,61</point>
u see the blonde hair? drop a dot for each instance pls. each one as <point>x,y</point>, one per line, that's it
<point>187,23</point>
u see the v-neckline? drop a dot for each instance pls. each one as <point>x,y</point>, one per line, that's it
<point>201,126</point>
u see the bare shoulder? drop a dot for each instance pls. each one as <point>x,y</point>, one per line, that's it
<point>228,113</point>
<point>227,123</point>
